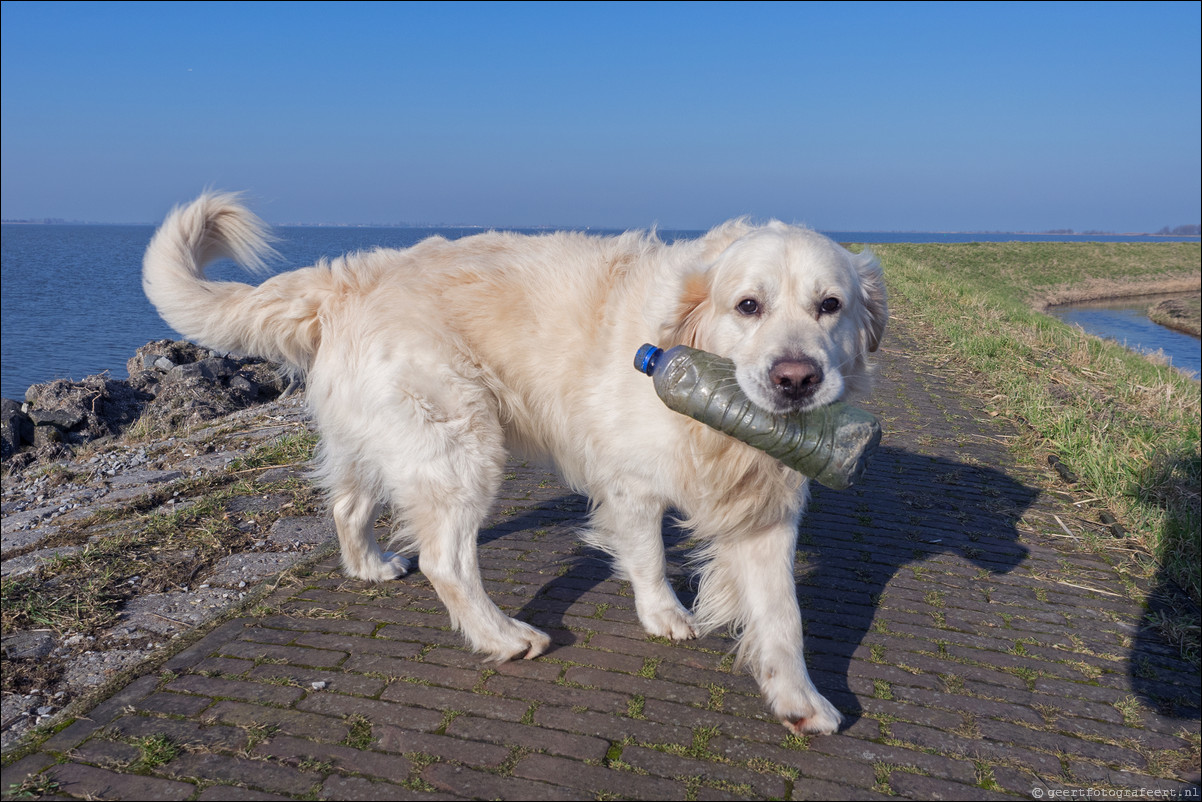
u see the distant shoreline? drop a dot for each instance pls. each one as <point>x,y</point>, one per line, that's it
<point>601,229</point>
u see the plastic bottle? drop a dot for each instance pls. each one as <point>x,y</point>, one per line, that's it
<point>830,444</point>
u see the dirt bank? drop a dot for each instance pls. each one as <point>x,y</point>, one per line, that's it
<point>1106,289</point>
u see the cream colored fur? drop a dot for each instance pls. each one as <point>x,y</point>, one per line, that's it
<point>427,366</point>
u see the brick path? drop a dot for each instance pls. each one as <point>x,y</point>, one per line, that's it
<point>976,650</point>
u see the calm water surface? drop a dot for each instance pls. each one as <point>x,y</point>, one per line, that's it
<point>1127,322</point>
<point>72,302</point>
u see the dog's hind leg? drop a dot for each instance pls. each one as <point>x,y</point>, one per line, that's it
<point>355,514</point>
<point>629,527</point>
<point>444,488</point>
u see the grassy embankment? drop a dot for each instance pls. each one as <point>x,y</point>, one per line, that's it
<point>1128,427</point>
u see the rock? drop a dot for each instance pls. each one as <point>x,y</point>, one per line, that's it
<point>16,428</point>
<point>171,384</point>
<point>311,530</point>
<point>65,419</point>
<point>27,645</point>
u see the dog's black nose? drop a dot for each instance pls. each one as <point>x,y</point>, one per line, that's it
<point>796,379</point>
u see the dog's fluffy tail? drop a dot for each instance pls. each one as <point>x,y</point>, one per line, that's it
<point>278,320</point>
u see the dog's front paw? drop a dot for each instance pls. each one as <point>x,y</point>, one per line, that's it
<point>816,718</point>
<point>673,622</point>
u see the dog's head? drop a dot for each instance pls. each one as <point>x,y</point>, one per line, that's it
<point>796,313</point>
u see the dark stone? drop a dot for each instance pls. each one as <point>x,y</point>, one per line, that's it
<point>16,429</point>
<point>66,419</point>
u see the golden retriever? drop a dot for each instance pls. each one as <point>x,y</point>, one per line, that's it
<point>427,366</point>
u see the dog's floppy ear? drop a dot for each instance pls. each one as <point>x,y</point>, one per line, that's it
<point>685,325</point>
<point>872,289</point>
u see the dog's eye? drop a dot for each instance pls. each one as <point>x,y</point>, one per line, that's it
<point>829,306</point>
<point>748,306</point>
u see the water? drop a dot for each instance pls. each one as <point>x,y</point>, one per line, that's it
<point>72,302</point>
<point>1126,321</point>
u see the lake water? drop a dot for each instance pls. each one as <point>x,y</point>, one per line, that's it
<point>1126,322</point>
<point>72,302</point>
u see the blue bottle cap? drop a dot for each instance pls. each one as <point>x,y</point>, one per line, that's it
<point>645,358</point>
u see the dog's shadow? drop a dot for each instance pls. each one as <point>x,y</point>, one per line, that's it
<point>905,555</point>
<point>913,517</point>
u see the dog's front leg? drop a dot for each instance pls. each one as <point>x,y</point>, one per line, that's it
<point>629,527</point>
<point>749,582</point>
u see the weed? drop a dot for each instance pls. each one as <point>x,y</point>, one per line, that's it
<point>35,785</point>
<point>155,750</point>
<point>984,776</point>
<point>1131,710</point>
<point>359,735</point>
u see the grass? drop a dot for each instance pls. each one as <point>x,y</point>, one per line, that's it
<point>1128,427</point>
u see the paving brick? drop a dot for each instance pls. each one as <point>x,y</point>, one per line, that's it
<point>525,736</point>
<point>374,710</point>
<point>466,782</point>
<point>868,753</point>
<point>400,668</point>
<point>733,723</point>
<point>100,752</point>
<point>28,766</point>
<point>258,774</point>
<point>327,625</point>
<point>108,710</point>
<point>290,722</point>
<point>335,681</point>
<point>560,694</point>
<point>480,755</point>
<point>357,644</point>
<point>758,785</point>
<point>336,786</point>
<point>584,777</point>
<point>287,749</point>
<point>1056,743</point>
<point>229,666</point>
<point>91,782</point>
<point>231,793</point>
<point>179,731</point>
<point>218,688</point>
<point>611,661</point>
<point>204,647</point>
<point>809,763</point>
<point>435,698</point>
<point>917,786</point>
<point>293,655</point>
<point>422,636</point>
<point>626,684</point>
<point>610,727</point>
<point>807,788</point>
<point>975,747</point>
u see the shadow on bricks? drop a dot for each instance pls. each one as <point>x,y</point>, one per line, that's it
<point>923,526</point>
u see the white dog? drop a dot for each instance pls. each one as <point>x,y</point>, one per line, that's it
<point>427,366</point>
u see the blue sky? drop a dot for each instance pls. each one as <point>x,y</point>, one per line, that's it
<point>848,116</point>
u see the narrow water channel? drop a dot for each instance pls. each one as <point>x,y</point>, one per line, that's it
<point>1126,321</point>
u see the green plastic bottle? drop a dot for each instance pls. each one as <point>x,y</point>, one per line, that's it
<point>830,444</point>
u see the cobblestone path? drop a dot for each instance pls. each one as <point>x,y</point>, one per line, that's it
<point>977,649</point>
